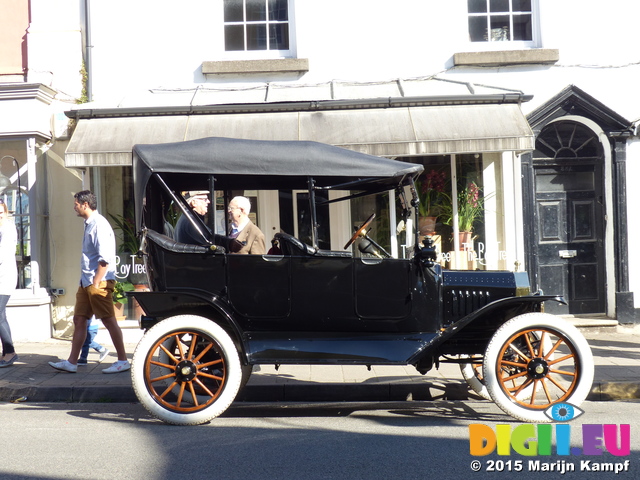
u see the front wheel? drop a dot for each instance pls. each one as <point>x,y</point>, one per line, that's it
<point>186,370</point>
<point>542,355</point>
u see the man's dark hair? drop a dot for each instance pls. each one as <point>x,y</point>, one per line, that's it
<point>88,197</point>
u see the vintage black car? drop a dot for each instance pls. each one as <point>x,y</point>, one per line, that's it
<point>211,315</point>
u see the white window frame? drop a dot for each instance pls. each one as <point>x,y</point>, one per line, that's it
<point>262,54</point>
<point>535,41</point>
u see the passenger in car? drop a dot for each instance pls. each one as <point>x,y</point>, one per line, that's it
<point>248,236</point>
<point>185,232</point>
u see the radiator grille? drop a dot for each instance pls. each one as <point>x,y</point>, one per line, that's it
<point>463,302</point>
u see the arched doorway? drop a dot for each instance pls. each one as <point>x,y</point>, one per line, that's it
<point>569,217</point>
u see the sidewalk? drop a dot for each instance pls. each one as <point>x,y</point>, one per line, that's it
<point>616,352</point>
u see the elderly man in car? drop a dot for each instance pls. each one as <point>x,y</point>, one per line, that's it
<point>248,238</point>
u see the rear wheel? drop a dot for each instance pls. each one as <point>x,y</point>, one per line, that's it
<point>541,355</point>
<point>186,370</point>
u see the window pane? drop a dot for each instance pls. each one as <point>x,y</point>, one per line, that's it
<point>233,37</point>
<point>478,29</point>
<point>522,27</point>
<point>279,36</point>
<point>521,5</point>
<point>564,182</point>
<point>256,10</point>
<point>499,6</point>
<point>256,37</point>
<point>477,6</point>
<point>278,10</point>
<point>233,11</point>
<point>499,28</point>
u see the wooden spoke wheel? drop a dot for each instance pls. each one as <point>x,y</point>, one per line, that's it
<point>186,370</point>
<point>359,230</point>
<point>534,361</point>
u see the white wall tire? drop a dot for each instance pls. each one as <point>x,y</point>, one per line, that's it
<point>558,368</point>
<point>186,370</point>
<point>472,373</point>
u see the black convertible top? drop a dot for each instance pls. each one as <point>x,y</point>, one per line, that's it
<point>237,163</point>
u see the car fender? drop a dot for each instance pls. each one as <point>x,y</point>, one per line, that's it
<point>488,319</point>
<point>160,305</point>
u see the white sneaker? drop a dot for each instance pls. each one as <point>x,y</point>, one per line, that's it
<point>64,366</point>
<point>117,367</point>
<point>103,354</point>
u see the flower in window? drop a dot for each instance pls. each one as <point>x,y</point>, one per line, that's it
<point>470,208</point>
<point>431,191</point>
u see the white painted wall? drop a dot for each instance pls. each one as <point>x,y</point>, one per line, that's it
<point>633,204</point>
<point>144,44</point>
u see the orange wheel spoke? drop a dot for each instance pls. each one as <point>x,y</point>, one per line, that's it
<point>192,347</point>
<point>517,391</point>
<point>204,387</point>
<point>169,388</point>
<point>168,353</point>
<point>180,395</point>
<point>204,351</point>
<point>564,390</point>
<point>517,375</point>
<point>533,392</point>
<point>209,364</point>
<point>193,394</point>
<point>162,377</point>
<point>553,349</point>
<point>541,347</point>
<point>563,372</point>
<point>520,354</point>
<point>180,346</point>
<point>566,357</point>
<point>208,375</point>
<point>160,364</point>
<point>532,351</point>
<point>546,390</point>
<point>514,364</point>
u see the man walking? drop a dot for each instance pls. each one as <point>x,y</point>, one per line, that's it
<point>97,280</point>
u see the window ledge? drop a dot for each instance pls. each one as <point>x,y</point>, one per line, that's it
<point>508,57</point>
<point>236,67</point>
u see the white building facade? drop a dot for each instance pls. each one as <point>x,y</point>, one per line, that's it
<point>529,101</point>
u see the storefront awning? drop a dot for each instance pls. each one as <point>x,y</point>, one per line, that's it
<point>388,132</point>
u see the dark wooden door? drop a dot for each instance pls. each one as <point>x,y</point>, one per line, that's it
<point>570,236</point>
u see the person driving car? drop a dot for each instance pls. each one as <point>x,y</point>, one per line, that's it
<point>185,232</point>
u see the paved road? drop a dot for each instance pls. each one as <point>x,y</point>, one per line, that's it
<point>369,441</point>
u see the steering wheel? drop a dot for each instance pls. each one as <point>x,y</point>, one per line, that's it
<point>360,229</point>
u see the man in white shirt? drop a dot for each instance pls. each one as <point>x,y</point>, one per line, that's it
<point>97,281</point>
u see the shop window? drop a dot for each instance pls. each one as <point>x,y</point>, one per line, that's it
<point>501,21</point>
<point>256,25</point>
<point>462,209</point>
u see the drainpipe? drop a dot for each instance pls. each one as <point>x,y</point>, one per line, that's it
<point>88,47</point>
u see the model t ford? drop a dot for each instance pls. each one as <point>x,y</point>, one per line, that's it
<point>211,314</point>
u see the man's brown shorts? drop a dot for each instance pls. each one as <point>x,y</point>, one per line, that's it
<point>95,301</point>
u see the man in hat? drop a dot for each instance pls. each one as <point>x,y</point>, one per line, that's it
<point>185,232</point>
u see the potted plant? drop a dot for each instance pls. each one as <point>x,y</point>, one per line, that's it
<point>470,210</point>
<point>120,298</point>
<point>431,192</point>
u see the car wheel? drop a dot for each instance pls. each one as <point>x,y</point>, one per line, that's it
<point>472,373</point>
<point>186,370</point>
<point>542,355</point>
